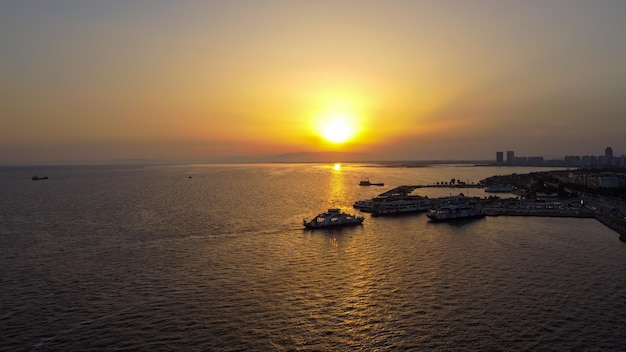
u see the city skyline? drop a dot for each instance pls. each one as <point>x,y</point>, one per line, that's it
<point>607,159</point>
<point>214,81</point>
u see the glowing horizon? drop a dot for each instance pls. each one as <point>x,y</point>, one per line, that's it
<point>396,81</point>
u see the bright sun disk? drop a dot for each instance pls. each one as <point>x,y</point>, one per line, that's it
<point>337,130</point>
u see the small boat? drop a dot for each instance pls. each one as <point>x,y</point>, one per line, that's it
<point>454,212</point>
<point>37,178</point>
<point>333,218</point>
<point>366,182</point>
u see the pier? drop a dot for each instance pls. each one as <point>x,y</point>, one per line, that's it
<point>569,209</point>
<point>602,209</point>
<point>399,191</point>
<point>407,189</point>
<point>526,207</point>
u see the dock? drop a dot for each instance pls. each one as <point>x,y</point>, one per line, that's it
<point>407,189</point>
<point>399,191</point>
<point>527,207</point>
<point>572,208</point>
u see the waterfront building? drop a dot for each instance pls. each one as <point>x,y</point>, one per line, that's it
<point>590,160</point>
<point>574,160</point>
<point>603,180</point>
<point>608,159</point>
<point>562,176</point>
<point>510,157</point>
<point>608,181</point>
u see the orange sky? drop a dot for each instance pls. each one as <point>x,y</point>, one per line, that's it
<point>195,81</point>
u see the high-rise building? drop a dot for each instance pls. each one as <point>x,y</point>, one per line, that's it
<point>510,157</point>
<point>608,156</point>
<point>499,158</point>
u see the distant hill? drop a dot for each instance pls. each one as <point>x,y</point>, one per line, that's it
<point>304,157</point>
<point>332,157</point>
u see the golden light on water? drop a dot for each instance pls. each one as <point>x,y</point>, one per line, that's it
<point>337,195</point>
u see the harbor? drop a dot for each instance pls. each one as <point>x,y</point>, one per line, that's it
<point>607,211</point>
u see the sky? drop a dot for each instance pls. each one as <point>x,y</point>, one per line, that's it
<point>206,81</point>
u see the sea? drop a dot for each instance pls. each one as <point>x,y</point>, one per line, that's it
<point>214,257</point>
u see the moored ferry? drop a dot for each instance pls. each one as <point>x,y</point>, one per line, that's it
<point>399,204</point>
<point>455,212</point>
<point>365,205</point>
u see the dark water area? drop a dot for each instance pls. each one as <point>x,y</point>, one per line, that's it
<point>215,258</point>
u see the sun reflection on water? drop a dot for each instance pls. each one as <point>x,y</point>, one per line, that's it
<point>338,191</point>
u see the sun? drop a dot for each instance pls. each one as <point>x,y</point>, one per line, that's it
<point>338,129</point>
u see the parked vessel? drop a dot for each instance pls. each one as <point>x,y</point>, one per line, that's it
<point>334,217</point>
<point>395,201</point>
<point>455,212</point>
<point>365,205</point>
<point>37,178</point>
<point>399,204</point>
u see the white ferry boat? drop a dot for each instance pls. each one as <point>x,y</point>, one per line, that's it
<point>333,218</point>
<point>454,212</point>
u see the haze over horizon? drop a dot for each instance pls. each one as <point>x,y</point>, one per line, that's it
<point>394,80</point>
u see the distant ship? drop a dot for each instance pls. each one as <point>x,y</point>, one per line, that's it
<point>366,182</point>
<point>37,178</point>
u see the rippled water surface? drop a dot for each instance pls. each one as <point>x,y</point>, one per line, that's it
<point>215,258</point>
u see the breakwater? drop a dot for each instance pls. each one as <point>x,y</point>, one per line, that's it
<point>616,224</point>
<point>558,209</point>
